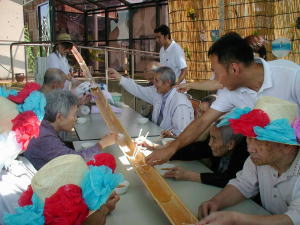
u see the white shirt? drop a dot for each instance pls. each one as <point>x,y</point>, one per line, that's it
<point>279,195</point>
<point>178,111</point>
<point>281,80</point>
<point>173,57</point>
<point>57,61</point>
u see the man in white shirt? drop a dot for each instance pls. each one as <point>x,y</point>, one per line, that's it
<point>171,54</point>
<point>172,111</point>
<point>272,170</point>
<point>244,80</point>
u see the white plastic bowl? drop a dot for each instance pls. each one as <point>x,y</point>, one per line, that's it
<point>142,120</point>
<point>122,188</point>
<point>161,168</point>
<point>81,120</point>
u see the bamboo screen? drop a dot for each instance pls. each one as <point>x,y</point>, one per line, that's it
<point>270,18</point>
<point>194,34</point>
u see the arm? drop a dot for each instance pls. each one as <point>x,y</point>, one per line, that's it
<point>189,135</point>
<point>181,76</point>
<point>144,93</point>
<point>229,196</point>
<point>204,85</point>
<point>235,218</point>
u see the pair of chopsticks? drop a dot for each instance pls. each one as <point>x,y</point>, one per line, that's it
<point>136,148</point>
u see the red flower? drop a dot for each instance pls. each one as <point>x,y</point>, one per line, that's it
<point>244,125</point>
<point>26,126</point>
<point>25,92</point>
<point>25,198</point>
<point>66,207</point>
<point>103,159</point>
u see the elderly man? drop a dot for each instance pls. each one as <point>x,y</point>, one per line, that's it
<point>172,111</point>
<point>272,170</point>
<point>244,80</point>
<point>60,115</point>
<point>53,79</point>
<point>170,54</point>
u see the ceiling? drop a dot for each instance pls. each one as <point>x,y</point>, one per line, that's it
<point>95,5</point>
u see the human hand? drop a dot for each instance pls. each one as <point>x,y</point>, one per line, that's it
<point>207,208</point>
<point>220,218</point>
<point>108,140</point>
<point>112,201</point>
<point>149,145</point>
<point>160,156</point>
<point>84,99</point>
<point>167,134</point>
<point>181,88</point>
<point>114,74</point>
<point>179,173</point>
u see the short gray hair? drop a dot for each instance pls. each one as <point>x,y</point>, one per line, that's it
<point>53,75</point>
<point>166,74</point>
<point>59,101</point>
<point>227,134</point>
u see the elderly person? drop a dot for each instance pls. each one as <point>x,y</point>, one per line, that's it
<point>53,79</point>
<point>172,111</point>
<point>245,79</point>
<point>272,170</point>
<point>60,115</point>
<point>226,151</point>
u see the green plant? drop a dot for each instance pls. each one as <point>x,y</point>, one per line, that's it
<point>29,50</point>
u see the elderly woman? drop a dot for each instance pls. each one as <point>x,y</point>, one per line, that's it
<point>60,115</point>
<point>226,150</point>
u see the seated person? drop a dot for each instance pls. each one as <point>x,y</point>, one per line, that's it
<point>53,79</point>
<point>272,170</point>
<point>60,115</point>
<point>171,110</point>
<point>226,151</point>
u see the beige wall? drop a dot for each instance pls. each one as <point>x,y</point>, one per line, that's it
<point>11,25</point>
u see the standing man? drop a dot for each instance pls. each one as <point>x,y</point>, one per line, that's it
<point>171,54</point>
<point>244,80</point>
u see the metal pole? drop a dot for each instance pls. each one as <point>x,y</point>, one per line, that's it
<point>106,66</point>
<point>132,75</point>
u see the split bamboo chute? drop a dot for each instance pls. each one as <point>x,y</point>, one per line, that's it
<point>166,198</point>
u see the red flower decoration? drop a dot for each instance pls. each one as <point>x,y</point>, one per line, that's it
<point>66,207</point>
<point>103,159</point>
<point>25,92</point>
<point>26,126</point>
<point>25,198</point>
<point>244,125</point>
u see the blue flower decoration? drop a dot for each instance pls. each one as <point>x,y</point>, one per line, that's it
<point>278,130</point>
<point>98,184</point>
<point>236,113</point>
<point>6,92</point>
<point>27,215</point>
<point>35,102</point>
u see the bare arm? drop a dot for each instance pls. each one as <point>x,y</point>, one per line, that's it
<point>235,218</point>
<point>204,85</point>
<point>229,196</point>
<point>188,136</point>
<point>181,76</point>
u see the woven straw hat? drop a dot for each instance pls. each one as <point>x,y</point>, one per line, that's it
<point>66,169</point>
<point>7,113</point>
<point>277,108</point>
<point>63,37</point>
